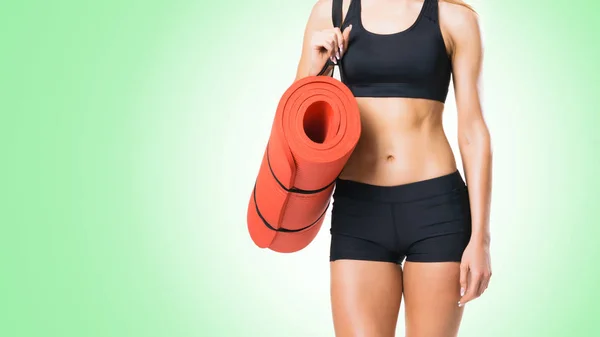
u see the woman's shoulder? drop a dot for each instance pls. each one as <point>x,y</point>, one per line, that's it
<point>323,5</point>
<point>321,13</point>
<point>457,19</point>
<point>456,14</point>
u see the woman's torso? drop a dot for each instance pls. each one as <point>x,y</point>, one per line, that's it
<point>400,90</point>
<point>402,141</point>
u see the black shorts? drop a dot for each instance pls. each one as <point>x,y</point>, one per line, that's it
<point>425,221</point>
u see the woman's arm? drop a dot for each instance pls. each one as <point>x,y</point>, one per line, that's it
<point>319,19</point>
<point>475,146</point>
<point>321,42</point>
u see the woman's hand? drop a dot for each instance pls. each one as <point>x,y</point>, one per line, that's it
<point>475,271</point>
<point>327,44</point>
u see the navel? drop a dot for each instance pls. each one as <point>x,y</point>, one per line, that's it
<point>390,158</point>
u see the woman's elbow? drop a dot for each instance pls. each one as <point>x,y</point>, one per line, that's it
<point>475,136</point>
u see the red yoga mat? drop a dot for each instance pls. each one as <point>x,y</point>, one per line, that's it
<point>315,129</point>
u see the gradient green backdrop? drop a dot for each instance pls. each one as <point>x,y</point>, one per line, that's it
<point>131,132</point>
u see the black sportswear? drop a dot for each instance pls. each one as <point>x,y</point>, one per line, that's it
<point>425,221</point>
<point>410,63</point>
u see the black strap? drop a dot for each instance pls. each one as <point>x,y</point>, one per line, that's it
<point>337,13</point>
<point>430,10</point>
<point>291,190</point>
<point>336,19</point>
<point>295,189</point>
<point>325,67</point>
<point>284,230</point>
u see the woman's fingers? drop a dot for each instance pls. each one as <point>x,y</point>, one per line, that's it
<point>484,282</point>
<point>332,38</point>
<point>328,46</point>
<point>464,273</point>
<point>330,43</point>
<point>340,42</point>
<point>345,37</point>
<point>473,287</point>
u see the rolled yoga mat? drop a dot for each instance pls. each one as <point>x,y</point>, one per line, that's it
<point>315,129</point>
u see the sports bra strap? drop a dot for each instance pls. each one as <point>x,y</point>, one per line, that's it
<point>431,10</point>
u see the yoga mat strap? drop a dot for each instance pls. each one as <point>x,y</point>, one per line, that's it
<point>337,12</point>
<point>325,67</point>
<point>284,230</point>
<point>336,17</point>
<point>295,189</point>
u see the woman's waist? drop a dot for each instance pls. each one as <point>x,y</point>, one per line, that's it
<point>399,160</point>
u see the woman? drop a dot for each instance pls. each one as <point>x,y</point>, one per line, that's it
<point>400,196</point>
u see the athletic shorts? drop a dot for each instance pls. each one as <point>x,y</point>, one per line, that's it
<point>425,221</point>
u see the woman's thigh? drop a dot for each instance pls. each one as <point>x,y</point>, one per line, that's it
<point>365,297</point>
<point>431,294</point>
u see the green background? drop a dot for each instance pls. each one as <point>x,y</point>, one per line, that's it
<point>131,133</point>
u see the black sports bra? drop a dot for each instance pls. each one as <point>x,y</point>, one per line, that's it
<point>411,63</point>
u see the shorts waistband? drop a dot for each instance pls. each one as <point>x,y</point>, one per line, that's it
<point>400,193</point>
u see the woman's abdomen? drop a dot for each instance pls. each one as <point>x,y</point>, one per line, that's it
<point>401,142</point>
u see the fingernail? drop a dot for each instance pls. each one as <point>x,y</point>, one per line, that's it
<point>341,49</point>
<point>462,291</point>
<point>334,60</point>
<point>337,55</point>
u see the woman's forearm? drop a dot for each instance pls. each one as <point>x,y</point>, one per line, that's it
<point>476,150</point>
